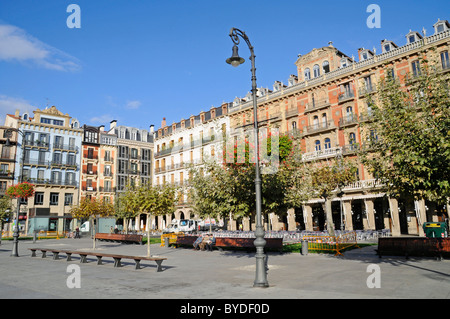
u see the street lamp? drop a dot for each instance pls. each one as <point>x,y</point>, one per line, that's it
<point>15,249</point>
<point>235,60</point>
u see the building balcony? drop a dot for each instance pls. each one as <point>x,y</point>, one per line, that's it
<point>319,127</point>
<point>347,96</point>
<point>6,175</point>
<point>367,89</point>
<point>51,182</point>
<point>317,105</point>
<point>362,185</point>
<point>316,155</point>
<point>65,147</point>
<point>348,119</point>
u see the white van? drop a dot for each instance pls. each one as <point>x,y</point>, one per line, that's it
<point>84,227</point>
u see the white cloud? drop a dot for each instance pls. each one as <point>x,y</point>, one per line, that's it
<point>17,45</point>
<point>133,105</point>
<point>9,105</point>
<point>102,119</point>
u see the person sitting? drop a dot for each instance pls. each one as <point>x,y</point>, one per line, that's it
<point>197,242</point>
<point>210,243</point>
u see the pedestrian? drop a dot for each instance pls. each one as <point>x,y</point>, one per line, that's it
<point>116,230</point>
<point>77,232</point>
<point>197,242</point>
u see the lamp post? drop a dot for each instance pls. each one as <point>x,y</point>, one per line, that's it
<point>235,60</point>
<point>15,250</point>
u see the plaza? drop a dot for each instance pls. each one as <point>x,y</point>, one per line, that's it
<point>223,275</point>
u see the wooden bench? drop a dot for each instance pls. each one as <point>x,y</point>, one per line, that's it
<point>413,246</point>
<point>126,238</point>
<point>248,243</point>
<point>83,257</point>
<point>228,242</point>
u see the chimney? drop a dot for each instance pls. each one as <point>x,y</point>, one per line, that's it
<point>101,128</point>
<point>152,128</point>
<point>17,114</point>
<point>163,122</point>
<point>112,124</point>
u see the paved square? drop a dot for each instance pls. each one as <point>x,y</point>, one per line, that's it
<point>216,275</point>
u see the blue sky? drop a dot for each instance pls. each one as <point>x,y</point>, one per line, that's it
<point>138,61</point>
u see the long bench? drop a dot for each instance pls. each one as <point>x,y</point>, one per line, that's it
<point>228,242</point>
<point>413,246</point>
<point>83,256</point>
<point>126,238</point>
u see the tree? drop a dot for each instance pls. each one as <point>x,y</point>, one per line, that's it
<point>408,145</point>
<point>221,189</point>
<point>326,179</point>
<point>5,212</point>
<point>91,209</point>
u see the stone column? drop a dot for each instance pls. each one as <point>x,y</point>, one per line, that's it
<point>347,206</point>
<point>395,220</point>
<point>307,215</point>
<point>370,215</point>
<point>291,220</point>
<point>421,215</point>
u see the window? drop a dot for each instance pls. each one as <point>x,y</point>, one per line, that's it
<point>412,38</point>
<point>352,138</point>
<point>56,177</point>
<point>316,121</point>
<point>317,145</point>
<point>58,143</point>
<point>58,122</point>
<point>54,198</point>
<point>416,68</point>
<point>326,67</point>
<point>46,120</point>
<point>68,199</point>
<point>327,143</point>
<point>57,158</point>
<point>444,60</point>
<point>294,126</point>
<point>316,70</point>
<point>39,198</point>
<point>387,47</point>
<point>307,74</point>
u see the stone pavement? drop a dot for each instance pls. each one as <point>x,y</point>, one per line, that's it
<point>217,275</point>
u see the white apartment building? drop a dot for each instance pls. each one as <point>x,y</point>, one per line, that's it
<point>187,142</point>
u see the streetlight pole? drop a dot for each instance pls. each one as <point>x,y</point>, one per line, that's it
<point>15,250</point>
<point>236,60</point>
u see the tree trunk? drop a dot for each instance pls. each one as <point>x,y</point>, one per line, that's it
<point>329,216</point>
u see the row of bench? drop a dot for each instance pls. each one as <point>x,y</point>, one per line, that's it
<point>83,256</point>
<point>233,243</point>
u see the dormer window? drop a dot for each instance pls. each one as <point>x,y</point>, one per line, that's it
<point>387,46</point>
<point>365,55</point>
<point>292,80</point>
<point>441,26</point>
<point>345,62</point>
<point>413,36</point>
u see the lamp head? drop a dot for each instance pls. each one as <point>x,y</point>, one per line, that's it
<point>8,143</point>
<point>235,59</point>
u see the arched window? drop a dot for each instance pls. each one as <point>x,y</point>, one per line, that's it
<point>317,145</point>
<point>316,121</point>
<point>294,125</point>
<point>327,143</point>
<point>326,67</point>
<point>352,138</point>
<point>307,74</point>
<point>324,120</point>
<point>316,70</point>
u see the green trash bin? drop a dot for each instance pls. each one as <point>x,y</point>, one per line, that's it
<point>435,229</point>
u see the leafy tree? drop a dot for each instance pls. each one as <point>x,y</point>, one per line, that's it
<point>5,212</point>
<point>409,142</point>
<point>91,209</point>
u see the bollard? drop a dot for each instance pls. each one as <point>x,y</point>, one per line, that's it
<point>166,241</point>
<point>304,247</point>
<point>34,236</point>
